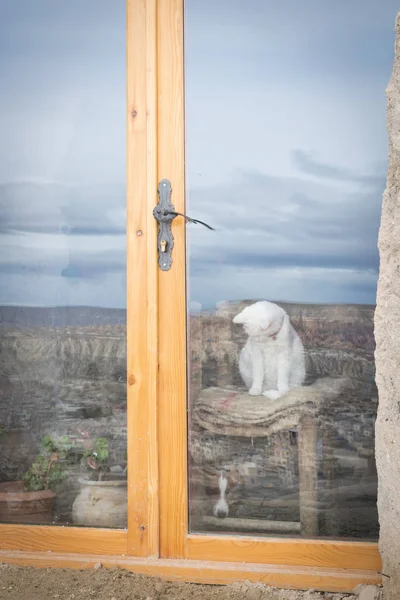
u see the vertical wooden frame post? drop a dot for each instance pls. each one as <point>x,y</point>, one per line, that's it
<point>172,287</point>
<point>142,274</point>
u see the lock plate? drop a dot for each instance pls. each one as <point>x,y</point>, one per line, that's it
<point>164,215</point>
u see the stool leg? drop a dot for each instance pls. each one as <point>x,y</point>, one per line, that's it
<point>308,476</point>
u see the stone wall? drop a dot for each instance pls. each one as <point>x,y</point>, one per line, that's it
<point>387,333</point>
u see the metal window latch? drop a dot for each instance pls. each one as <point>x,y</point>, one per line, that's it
<point>164,213</point>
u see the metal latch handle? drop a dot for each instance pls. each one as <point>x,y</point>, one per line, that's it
<point>164,213</point>
<point>190,220</point>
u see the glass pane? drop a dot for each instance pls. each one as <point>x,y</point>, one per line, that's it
<point>286,157</point>
<point>62,265</point>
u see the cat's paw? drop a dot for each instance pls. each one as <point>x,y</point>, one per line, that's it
<point>272,394</point>
<point>255,391</point>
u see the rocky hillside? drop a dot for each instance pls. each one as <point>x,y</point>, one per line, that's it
<point>63,371</point>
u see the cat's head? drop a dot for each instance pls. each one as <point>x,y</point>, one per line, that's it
<point>261,318</point>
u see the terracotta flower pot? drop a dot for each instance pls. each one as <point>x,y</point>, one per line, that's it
<point>101,504</point>
<point>17,506</point>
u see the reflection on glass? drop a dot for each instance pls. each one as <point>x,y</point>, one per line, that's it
<point>288,165</point>
<point>62,266</point>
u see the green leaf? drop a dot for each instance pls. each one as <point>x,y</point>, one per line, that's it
<point>102,449</point>
<point>47,471</point>
<point>48,444</point>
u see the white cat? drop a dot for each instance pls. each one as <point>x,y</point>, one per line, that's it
<point>272,361</point>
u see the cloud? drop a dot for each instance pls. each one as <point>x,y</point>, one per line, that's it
<point>29,207</point>
<point>276,225</point>
<point>291,284</point>
<point>282,260</point>
<point>87,270</point>
<point>63,74</point>
<point>54,230</point>
<point>308,164</point>
<point>87,266</point>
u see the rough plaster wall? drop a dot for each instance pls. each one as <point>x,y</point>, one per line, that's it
<point>387,330</point>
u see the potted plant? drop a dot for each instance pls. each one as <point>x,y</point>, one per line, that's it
<point>31,499</point>
<point>103,497</point>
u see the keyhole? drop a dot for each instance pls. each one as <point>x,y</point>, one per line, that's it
<point>163,245</point>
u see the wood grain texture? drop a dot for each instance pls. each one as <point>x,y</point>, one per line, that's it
<point>172,292</point>
<point>334,580</point>
<point>291,552</point>
<point>142,328</point>
<point>62,539</point>
<point>308,475</point>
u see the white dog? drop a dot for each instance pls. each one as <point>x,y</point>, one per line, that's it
<point>272,361</point>
<point>221,508</point>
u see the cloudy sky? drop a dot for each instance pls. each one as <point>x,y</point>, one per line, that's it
<point>62,152</point>
<point>286,149</point>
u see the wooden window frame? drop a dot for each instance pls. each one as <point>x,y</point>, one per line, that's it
<point>157,540</point>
